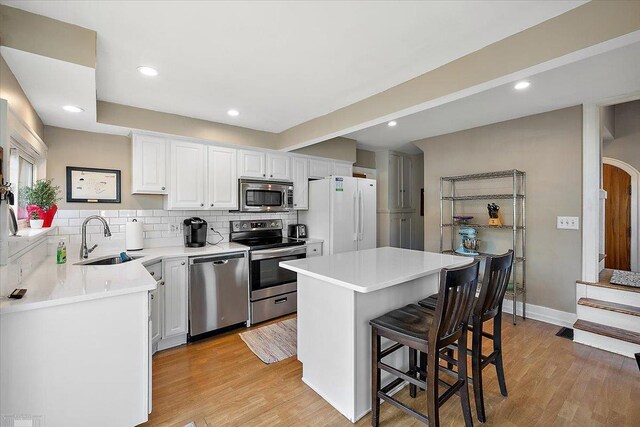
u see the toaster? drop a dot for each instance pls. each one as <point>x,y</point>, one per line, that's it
<point>298,231</point>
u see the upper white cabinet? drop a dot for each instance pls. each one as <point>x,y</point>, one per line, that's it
<point>279,167</point>
<point>149,164</point>
<point>251,164</point>
<point>320,168</point>
<point>222,179</point>
<point>342,169</point>
<point>188,166</point>
<point>400,182</point>
<point>300,183</point>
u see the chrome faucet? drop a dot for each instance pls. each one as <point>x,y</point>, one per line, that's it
<point>84,251</point>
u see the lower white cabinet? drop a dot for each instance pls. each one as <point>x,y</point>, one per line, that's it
<point>314,249</point>
<point>175,301</point>
<point>401,231</point>
<point>156,314</point>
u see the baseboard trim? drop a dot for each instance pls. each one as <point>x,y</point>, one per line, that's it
<point>543,314</point>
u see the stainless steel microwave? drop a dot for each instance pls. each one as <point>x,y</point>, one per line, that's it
<point>265,196</point>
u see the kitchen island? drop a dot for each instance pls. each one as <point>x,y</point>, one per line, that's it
<point>337,296</point>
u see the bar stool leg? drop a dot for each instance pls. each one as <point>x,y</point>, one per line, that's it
<point>413,355</point>
<point>476,371</point>
<point>375,377</point>
<point>462,376</point>
<point>433,409</point>
<point>497,347</point>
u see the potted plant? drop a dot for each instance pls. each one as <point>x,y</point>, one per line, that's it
<point>42,198</point>
<point>34,220</point>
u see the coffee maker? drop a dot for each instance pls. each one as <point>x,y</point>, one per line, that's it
<point>195,232</point>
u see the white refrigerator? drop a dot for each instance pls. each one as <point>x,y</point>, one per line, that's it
<point>342,212</point>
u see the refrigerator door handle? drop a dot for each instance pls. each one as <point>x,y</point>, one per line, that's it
<point>355,217</point>
<point>361,214</point>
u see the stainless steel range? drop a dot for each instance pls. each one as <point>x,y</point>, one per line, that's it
<point>272,289</point>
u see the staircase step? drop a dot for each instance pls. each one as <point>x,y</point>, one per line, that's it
<point>610,306</point>
<point>608,331</point>
<point>605,282</point>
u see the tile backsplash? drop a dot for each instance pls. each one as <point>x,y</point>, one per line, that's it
<point>160,226</point>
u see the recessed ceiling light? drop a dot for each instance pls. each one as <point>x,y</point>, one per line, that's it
<point>148,71</point>
<point>392,123</point>
<point>522,85</point>
<point>72,109</point>
<point>233,113</point>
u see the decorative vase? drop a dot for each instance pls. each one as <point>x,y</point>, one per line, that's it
<point>36,223</point>
<point>48,215</point>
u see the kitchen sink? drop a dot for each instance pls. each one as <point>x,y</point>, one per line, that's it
<point>105,260</point>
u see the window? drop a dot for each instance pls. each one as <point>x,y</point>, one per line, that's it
<point>21,166</point>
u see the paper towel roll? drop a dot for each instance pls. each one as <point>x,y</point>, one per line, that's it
<point>133,236</point>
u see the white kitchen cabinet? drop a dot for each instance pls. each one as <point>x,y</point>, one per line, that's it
<point>251,164</point>
<point>188,170</point>
<point>314,249</point>
<point>400,181</point>
<point>300,183</point>
<point>320,168</point>
<point>342,169</point>
<point>401,232</point>
<point>222,182</point>
<point>175,301</point>
<point>156,314</point>
<point>149,164</point>
<point>279,167</point>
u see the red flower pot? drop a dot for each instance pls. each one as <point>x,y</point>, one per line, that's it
<point>48,215</point>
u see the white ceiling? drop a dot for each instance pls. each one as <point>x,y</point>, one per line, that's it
<point>278,63</point>
<point>50,84</point>
<point>608,75</point>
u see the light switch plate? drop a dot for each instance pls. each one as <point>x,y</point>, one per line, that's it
<point>568,223</point>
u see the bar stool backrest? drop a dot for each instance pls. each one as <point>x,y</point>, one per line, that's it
<point>455,302</point>
<point>497,273</point>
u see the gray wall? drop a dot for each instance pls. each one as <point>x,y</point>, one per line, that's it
<point>548,147</point>
<point>626,143</point>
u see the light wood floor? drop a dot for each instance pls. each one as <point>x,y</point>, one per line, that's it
<point>551,382</point>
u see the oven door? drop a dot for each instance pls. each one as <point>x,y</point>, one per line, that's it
<point>265,196</point>
<point>267,277</point>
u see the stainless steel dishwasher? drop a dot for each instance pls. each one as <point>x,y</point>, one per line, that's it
<point>218,292</point>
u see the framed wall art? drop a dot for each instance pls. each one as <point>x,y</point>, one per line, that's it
<point>90,185</point>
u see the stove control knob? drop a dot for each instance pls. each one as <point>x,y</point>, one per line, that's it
<point>273,224</point>
<point>244,225</point>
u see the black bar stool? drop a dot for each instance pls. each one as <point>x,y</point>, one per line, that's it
<point>487,306</point>
<point>426,331</point>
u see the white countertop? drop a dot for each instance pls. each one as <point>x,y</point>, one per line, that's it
<point>374,269</point>
<point>50,284</point>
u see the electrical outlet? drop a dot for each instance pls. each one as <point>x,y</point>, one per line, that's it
<point>568,223</point>
<point>174,228</point>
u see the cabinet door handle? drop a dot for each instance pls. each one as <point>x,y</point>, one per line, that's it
<point>264,174</point>
<point>201,204</point>
<point>153,273</point>
<point>164,188</point>
<point>211,204</point>
<point>182,263</point>
<point>151,296</point>
<point>281,300</point>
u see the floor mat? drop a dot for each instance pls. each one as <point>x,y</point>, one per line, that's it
<point>273,343</point>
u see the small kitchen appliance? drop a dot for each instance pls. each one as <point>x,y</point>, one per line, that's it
<point>265,196</point>
<point>297,231</point>
<point>195,232</point>
<point>469,241</point>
